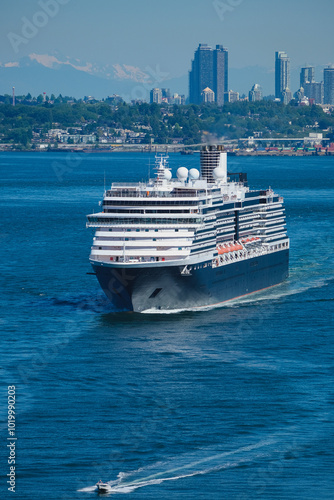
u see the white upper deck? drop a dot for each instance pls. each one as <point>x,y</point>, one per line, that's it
<point>187,184</point>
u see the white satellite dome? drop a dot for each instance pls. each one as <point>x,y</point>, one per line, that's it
<point>182,173</point>
<point>218,173</point>
<point>167,174</point>
<point>193,174</point>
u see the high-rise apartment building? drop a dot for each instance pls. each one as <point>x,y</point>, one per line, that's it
<point>329,85</point>
<point>166,93</point>
<point>231,96</point>
<point>209,70</point>
<point>312,89</point>
<point>307,75</point>
<point>220,73</point>
<point>208,95</point>
<point>156,96</point>
<point>282,75</point>
<point>286,96</point>
<point>315,91</point>
<point>201,74</point>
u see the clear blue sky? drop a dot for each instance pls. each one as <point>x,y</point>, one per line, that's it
<point>166,33</point>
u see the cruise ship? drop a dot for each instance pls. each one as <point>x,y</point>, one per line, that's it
<point>190,242</point>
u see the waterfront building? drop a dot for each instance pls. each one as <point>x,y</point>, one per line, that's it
<point>329,85</point>
<point>208,95</point>
<point>255,94</point>
<point>282,75</point>
<point>209,70</point>
<point>156,96</point>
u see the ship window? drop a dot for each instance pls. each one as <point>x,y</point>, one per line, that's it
<point>155,293</point>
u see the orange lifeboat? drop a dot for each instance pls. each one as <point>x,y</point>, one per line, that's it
<point>230,248</point>
<point>224,249</point>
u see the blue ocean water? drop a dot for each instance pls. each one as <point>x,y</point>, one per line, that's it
<point>232,403</point>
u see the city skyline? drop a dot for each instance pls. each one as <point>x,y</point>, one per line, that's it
<point>309,88</point>
<point>129,39</point>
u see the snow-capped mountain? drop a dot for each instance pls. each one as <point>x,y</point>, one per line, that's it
<point>38,73</point>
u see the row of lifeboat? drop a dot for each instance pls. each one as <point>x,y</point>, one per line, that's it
<point>229,248</point>
<point>233,247</point>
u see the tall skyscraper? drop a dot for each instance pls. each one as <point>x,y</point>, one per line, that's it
<point>306,75</point>
<point>201,75</point>
<point>329,85</point>
<point>209,70</point>
<point>220,73</point>
<point>282,75</point>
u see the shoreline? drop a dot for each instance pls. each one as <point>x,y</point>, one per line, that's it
<point>171,149</point>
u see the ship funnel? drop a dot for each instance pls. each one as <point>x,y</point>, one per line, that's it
<point>214,157</point>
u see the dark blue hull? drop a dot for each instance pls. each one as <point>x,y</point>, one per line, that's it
<point>165,288</point>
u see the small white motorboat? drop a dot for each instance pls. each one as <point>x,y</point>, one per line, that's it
<point>103,487</point>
